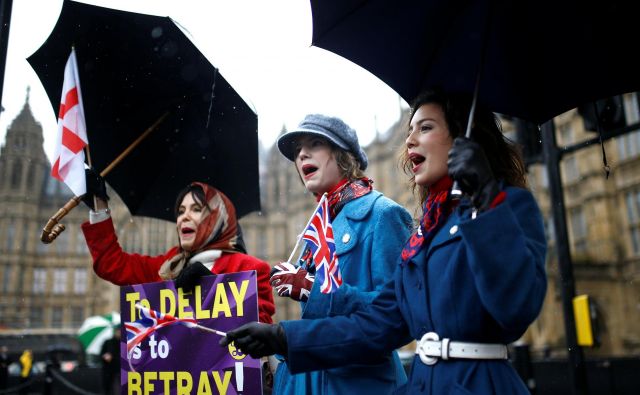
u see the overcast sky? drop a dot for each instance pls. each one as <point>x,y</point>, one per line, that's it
<point>263,48</point>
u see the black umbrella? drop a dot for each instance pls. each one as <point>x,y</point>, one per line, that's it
<point>133,69</point>
<point>537,58</point>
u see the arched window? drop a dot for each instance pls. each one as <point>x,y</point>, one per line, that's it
<point>17,174</point>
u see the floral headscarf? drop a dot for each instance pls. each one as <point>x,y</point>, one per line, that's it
<point>218,230</point>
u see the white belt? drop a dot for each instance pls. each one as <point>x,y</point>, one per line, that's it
<point>430,348</point>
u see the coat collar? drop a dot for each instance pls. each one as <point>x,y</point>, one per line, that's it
<point>360,211</point>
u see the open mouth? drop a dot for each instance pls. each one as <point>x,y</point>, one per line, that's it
<point>187,231</point>
<point>309,169</point>
<point>416,159</point>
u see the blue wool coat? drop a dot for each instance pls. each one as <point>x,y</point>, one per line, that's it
<point>480,280</point>
<point>369,233</point>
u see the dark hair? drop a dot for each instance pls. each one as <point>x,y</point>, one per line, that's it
<point>197,193</point>
<point>504,156</point>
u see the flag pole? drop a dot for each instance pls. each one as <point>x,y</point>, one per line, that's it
<point>195,325</point>
<point>53,228</point>
<point>299,238</point>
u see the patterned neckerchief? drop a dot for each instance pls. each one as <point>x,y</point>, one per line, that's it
<point>344,192</point>
<point>436,210</point>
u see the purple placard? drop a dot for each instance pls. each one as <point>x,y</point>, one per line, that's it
<point>179,359</point>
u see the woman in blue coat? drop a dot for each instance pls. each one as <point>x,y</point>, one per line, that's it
<point>469,281</point>
<point>328,159</point>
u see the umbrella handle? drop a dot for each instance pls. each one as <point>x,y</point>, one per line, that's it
<point>53,228</point>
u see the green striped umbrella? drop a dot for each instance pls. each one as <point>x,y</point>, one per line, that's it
<point>95,330</point>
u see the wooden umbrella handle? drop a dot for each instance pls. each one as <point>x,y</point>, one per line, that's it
<point>53,228</point>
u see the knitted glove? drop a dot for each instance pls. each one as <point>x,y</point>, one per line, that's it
<point>258,339</point>
<point>95,187</point>
<point>291,281</point>
<point>189,277</point>
<point>469,165</point>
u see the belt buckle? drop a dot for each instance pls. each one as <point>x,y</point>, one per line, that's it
<point>426,359</point>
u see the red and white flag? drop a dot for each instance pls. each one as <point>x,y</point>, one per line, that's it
<point>72,132</point>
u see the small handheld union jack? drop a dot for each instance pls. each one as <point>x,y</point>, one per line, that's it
<point>319,237</point>
<point>150,321</point>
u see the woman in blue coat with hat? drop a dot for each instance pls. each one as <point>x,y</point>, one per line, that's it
<point>328,159</point>
<point>470,280</point>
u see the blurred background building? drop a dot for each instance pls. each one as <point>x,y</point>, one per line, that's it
<point>47,290</point>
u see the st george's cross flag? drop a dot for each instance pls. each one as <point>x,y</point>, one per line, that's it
<point>68,165</point>
<point>319,238</point>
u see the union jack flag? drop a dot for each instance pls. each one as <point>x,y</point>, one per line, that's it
<point>149,322</point>
<point>319,238</point>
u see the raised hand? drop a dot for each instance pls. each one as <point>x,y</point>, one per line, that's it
<point>469,165</point>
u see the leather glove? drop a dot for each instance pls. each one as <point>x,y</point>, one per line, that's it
<point>258,339</point>
<point>291,281</point>
<point>469,165</point>
<point>189,277</point>
<point>95,187</point>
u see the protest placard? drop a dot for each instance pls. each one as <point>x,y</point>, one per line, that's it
<point>170,338</point>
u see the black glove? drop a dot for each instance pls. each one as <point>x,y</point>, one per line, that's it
<point>190,276</point>
<point>469,165</point>
<point>95,187</point>
<point>258,339</point>
<point>291,281</point>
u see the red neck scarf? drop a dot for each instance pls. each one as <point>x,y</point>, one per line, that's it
<point>436,210</point>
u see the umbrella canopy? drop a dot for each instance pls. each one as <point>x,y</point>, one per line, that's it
<point>95,330</point>
<point>541,58</point>
<point>134,68</point>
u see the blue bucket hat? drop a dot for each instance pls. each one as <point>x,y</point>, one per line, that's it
<point>331,128</point>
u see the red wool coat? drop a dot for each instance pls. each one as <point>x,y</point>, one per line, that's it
<point>111,263</point>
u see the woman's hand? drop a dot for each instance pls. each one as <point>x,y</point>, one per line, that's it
<point>95,187</point>
<point>291,281</point>
<point>469,165</point>
<point>257,339</point>
<point>190,276</point>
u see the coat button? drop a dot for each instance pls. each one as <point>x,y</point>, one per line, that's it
<point>453,229</point>
<point>346,237</point>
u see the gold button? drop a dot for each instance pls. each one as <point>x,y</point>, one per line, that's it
<point>346,237</point>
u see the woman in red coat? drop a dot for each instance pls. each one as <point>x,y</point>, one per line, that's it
<point>208,243</point>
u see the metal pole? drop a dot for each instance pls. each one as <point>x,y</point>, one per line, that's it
<point>552,156</point>
<point>5,21</point>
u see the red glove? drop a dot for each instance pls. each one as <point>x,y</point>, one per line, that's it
<point>291,281</point>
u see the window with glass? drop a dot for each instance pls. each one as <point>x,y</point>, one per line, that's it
<point>57,314</point>
<point>6,279</point>
<point>632,200</point>
<point>80,277</point>
<point>81,244</point>
<point>36,317</point>
<point>579,229</point>
<point>16,177</point>
<point>11,234</point>
<point>59,281</point>
<point>566,133</point>
<point>571,171</point>
<point>77,316</point>
<point>39,280</point>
